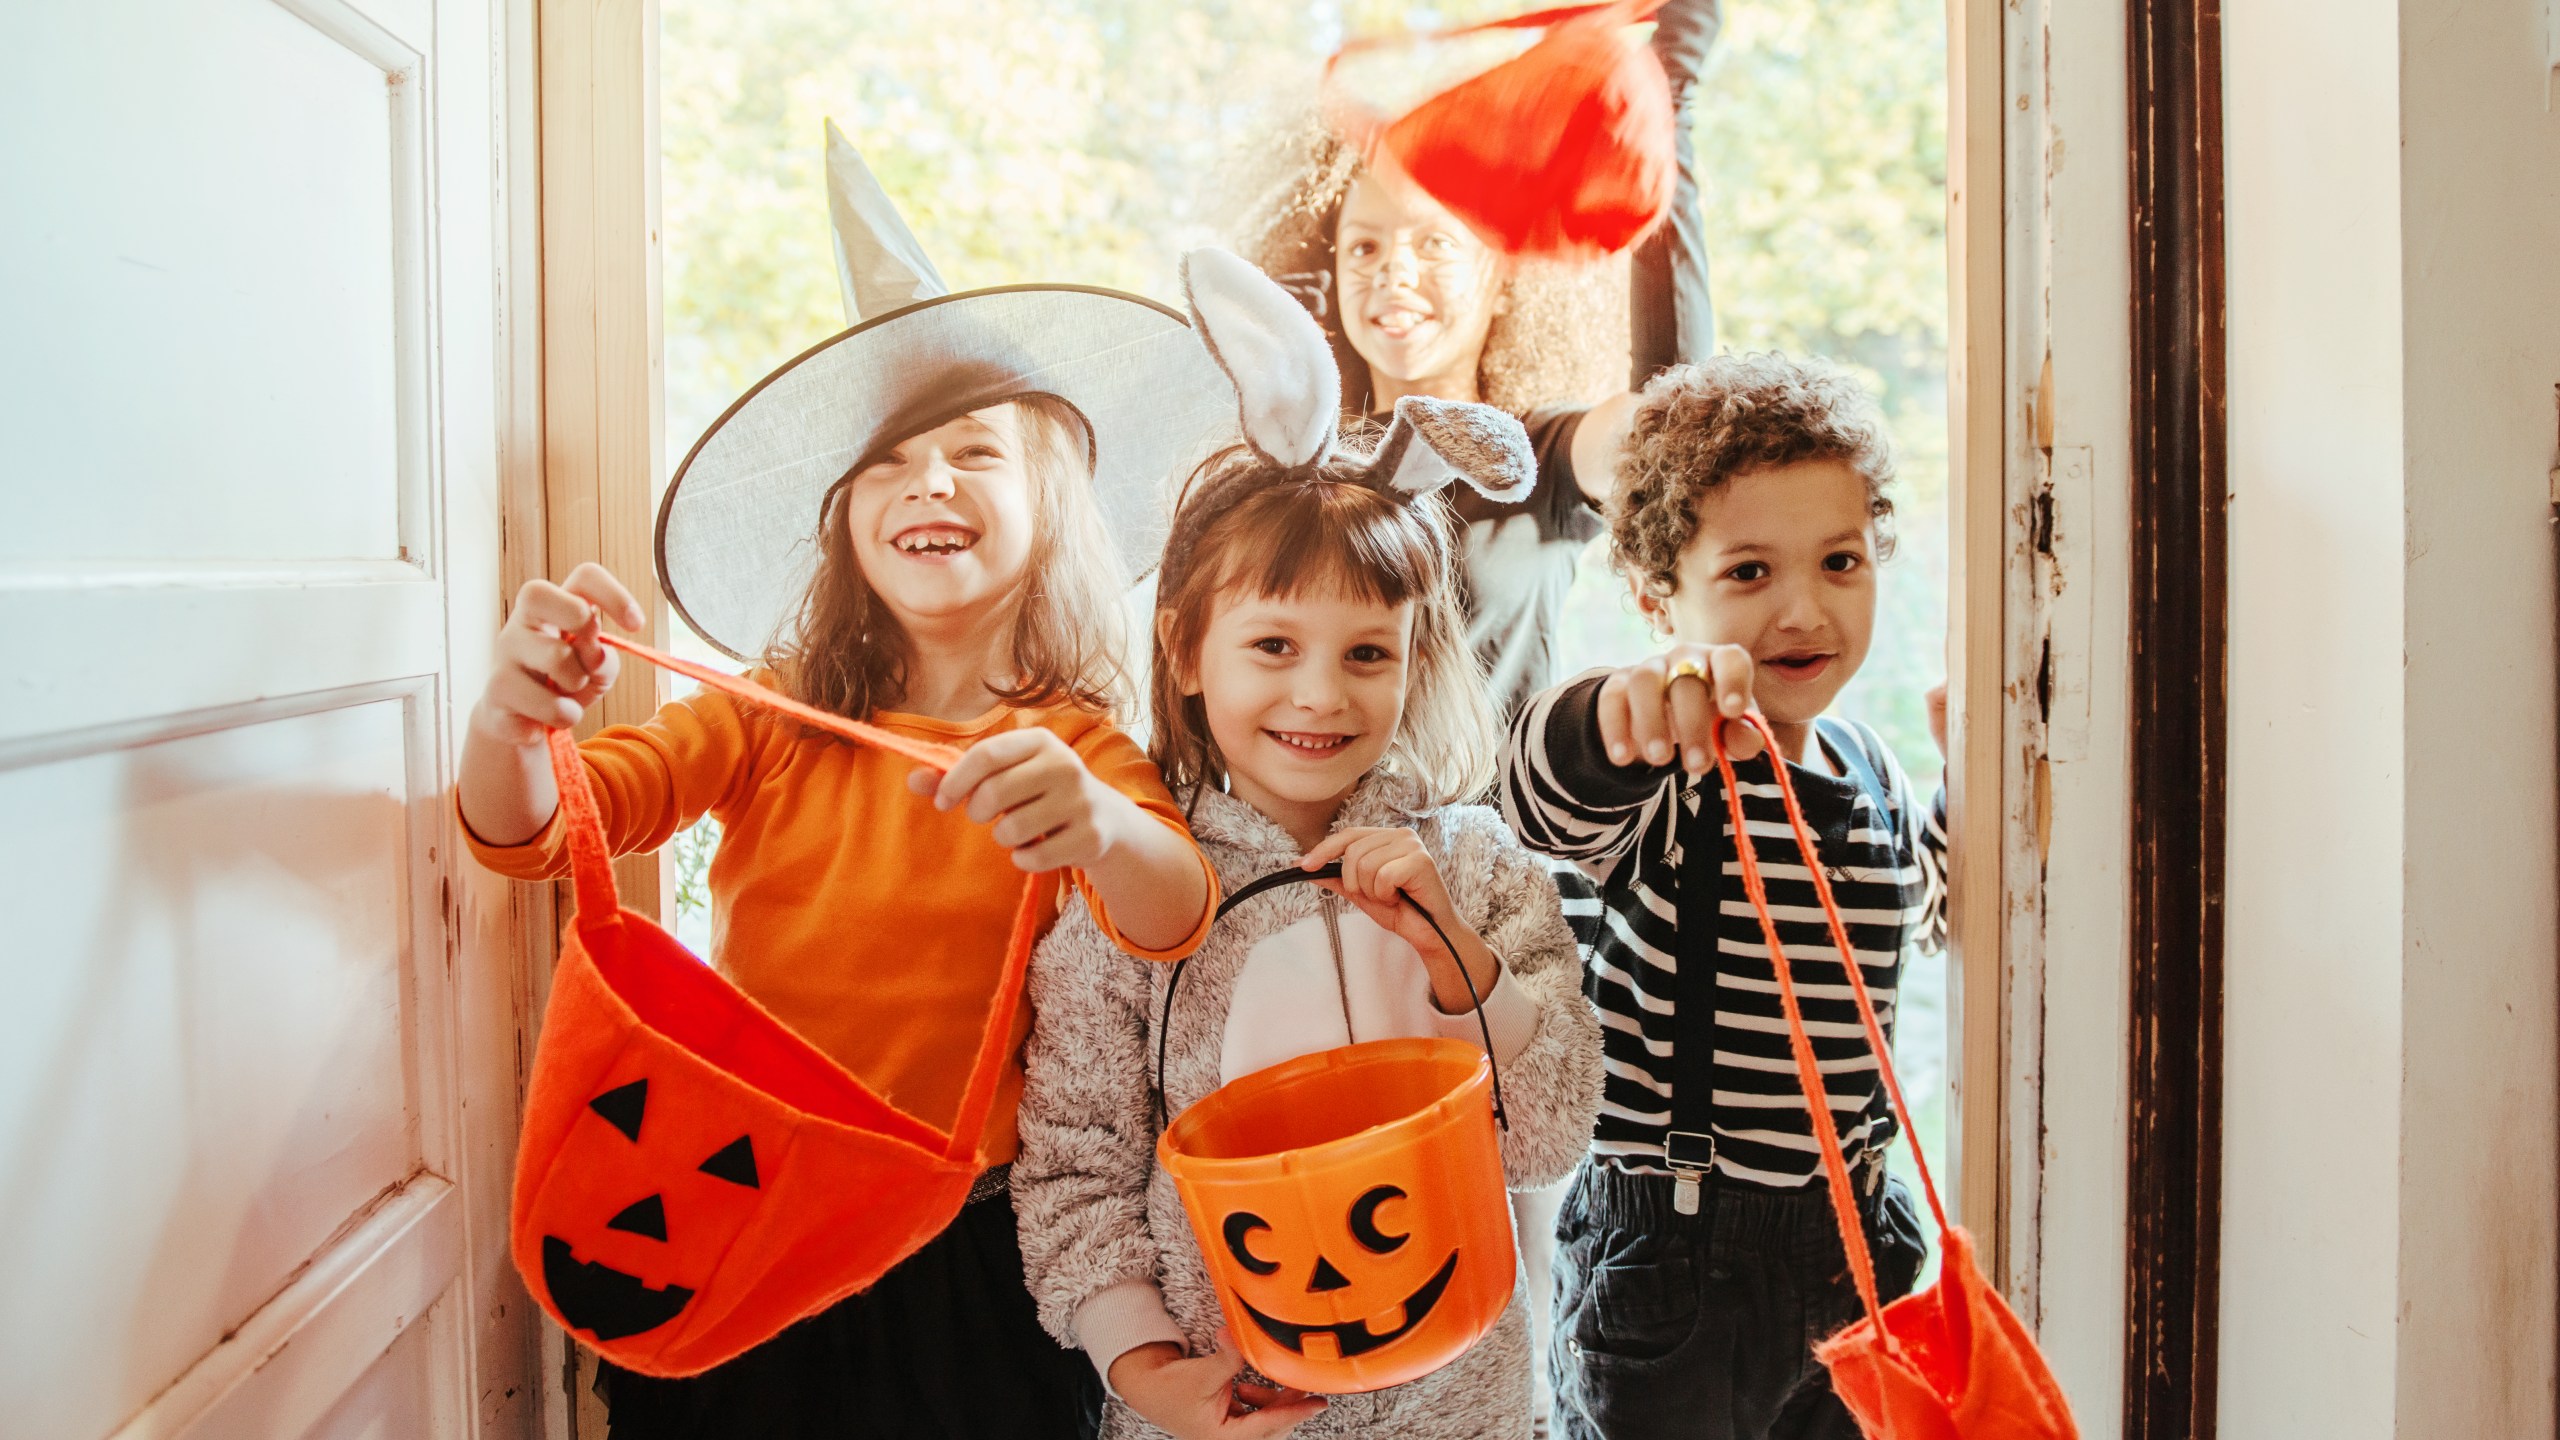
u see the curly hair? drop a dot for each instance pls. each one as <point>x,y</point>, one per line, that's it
<point>1244,525</point>
<point>1698,426</point>
<point>1560,334</point>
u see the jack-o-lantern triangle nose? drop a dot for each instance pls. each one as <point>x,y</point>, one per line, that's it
<point>642,1217</point>
<point>1327,1278</point>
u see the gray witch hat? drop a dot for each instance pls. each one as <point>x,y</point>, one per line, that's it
<point>738,529</point>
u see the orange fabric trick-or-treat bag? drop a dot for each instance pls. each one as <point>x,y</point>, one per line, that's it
<point>692,1177</point>
<point>1563,151</point>
<point>1952,1362</point>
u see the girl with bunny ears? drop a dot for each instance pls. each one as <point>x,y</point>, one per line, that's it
<point>1314,702</point>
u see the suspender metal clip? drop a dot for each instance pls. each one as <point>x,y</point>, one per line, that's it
<point>1690,1154</point>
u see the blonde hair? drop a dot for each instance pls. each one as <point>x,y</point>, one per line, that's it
<point>1245,525</point>
<point>847,654</point>
<point>1559,336</point>
<point>1698,426</point>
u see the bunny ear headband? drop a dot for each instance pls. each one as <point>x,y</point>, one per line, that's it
<point>1289,393</point>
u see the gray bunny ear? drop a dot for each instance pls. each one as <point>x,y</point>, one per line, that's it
<point>1432,442</point>
<point>1287,384</point>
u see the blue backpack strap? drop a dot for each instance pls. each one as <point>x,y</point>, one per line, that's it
<point>1864,767</point>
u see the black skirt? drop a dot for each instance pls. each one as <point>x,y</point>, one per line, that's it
<point>945,1347</point>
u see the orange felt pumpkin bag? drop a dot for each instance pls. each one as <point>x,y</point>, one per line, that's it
<point>1563,151</point>
<point>692,1177</point>
<point>1952,1362</point>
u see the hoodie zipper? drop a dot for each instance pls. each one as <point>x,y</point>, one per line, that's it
<point>1330,906</point>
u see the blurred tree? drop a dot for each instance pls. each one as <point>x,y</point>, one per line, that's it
<point>1086,140</point>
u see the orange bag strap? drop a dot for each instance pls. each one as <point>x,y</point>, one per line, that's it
<point>923,752</point>
<point>1363,126</point>
<point>590,861</point>
<point>995,1042</point>
<point>1826,1132</point>
<point>599,903</point>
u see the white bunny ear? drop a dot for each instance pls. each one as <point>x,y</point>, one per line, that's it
<point>1432,442</point>
<point>1287,384</point>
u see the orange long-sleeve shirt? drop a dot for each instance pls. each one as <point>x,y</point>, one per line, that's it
<point>863,918</point>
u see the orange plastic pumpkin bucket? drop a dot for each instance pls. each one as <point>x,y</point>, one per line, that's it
<point>1351,1208</point>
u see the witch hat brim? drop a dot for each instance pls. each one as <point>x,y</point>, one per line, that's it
<point>738,529</point>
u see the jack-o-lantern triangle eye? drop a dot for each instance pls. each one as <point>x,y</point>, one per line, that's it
<point>736,1163</point>
<point>622,1108</point>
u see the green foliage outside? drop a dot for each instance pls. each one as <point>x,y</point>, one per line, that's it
<point>1086,140</point>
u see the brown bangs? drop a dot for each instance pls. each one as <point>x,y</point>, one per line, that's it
<point>1328,538</point>
<point>1244,527</point>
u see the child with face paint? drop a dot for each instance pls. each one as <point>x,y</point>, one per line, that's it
<point>1416,304</point>
<point>1750,517</point>
<point>1313,703</point>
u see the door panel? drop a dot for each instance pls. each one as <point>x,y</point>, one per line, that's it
<point>222,1083</point>
<point>218,327</point>
<point>394,1400</point>
<point>253,1166</point>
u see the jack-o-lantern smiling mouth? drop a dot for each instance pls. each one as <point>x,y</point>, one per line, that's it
<point>1356,1337</point>
<point>606,1303</point>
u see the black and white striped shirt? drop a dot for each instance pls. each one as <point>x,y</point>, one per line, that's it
<point>1626,829</point>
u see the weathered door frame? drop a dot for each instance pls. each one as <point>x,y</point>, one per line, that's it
<point>2175,720</point>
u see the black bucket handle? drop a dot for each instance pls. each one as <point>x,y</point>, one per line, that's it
<point>1293,876</point>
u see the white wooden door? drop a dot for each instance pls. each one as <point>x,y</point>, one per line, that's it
<point>257,1026</point>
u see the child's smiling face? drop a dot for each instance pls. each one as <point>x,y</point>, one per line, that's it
<point>1418,289</point>
<point>1303,696</point>
<point>1783,565</point>
<point>942,525</point>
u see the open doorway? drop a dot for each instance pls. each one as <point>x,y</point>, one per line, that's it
<point>1020,145</point>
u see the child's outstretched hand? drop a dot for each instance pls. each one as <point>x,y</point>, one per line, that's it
<point>549,666</point>
<point>1198,1397</point>
<point>1383,865</point>
<point>1040,801</point>
<point>1665,707</point>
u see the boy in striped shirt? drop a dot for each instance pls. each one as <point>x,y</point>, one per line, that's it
<point>1698,1258</point>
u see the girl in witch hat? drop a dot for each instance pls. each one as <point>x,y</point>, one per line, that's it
<point>921,523</point>
<point>1313,701</point>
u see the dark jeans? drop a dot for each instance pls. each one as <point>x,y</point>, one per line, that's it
<point>945,1347</point>
<point>1703,1326</point>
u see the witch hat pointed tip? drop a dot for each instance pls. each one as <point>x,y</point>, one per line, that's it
<point>880,265</point>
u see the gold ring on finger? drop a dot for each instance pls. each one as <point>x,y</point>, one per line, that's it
<point>1689,668</point>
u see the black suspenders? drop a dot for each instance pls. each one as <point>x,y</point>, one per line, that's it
<point>1689,1149</point>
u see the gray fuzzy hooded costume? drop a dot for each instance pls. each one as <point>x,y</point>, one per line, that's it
<point>1107,1250</point>
<point>1106,1247</point>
